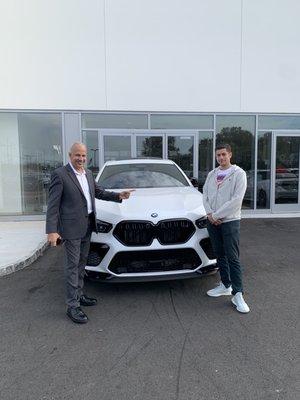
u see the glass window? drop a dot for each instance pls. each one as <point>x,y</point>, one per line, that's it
<point>90,139</point>
<point>205,156</point>
<point>117,147</point>
<point>287,170</point>
<point>263,170</point>
<point>140,175</point>
<point>10,170</point>
<point>278,122</point>
<point>121,121</point>
<point>181,151</point>
<point>183,121</point>
<point>239,132</point>
<point>149,146</point>
<point>40,141</point>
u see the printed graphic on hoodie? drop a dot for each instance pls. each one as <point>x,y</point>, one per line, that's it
<point>222,173</point>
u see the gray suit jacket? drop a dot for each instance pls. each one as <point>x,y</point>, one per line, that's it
<point>67,211</point>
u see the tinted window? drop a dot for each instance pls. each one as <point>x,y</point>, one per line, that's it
<point>141,176</point>
<point>184,121</point>
<point>263,184</point>
<point>238,131</point>
<point>279,122</point>
<point>40,142</point>
<point>90,138</point>
<point>122,121</point>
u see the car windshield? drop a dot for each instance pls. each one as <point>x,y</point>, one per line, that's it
<point>148,175</point>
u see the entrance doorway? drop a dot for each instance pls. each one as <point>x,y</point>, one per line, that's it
<point>285,184</point>
<point>112,144</point>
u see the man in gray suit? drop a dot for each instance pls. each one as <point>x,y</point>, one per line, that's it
<point>71,216</point>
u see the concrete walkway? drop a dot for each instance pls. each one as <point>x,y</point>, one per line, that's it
<point>21,243</point>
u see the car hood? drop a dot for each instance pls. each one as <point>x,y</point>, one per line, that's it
<point>166,202</point>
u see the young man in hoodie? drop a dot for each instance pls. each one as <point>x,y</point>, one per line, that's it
<point>223,194</point>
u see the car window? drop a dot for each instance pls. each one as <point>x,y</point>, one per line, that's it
<point>141,176</point>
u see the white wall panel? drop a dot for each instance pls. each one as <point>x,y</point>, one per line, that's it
<point>52,54</point>
<point>271,56</point>
<point>173,55</point>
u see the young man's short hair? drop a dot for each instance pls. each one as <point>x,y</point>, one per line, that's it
<point>223,146</point>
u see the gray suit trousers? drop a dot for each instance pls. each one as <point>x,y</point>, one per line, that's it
<point>76,254</point>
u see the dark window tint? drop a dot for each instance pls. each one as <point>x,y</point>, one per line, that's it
<point>263,170</point>
<point>239,132</point>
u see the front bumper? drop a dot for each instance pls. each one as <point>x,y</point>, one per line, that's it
<point>154,262</point>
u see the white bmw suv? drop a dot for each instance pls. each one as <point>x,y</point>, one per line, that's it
<point>159,233</point>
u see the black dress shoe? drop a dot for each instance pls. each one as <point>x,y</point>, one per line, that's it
<point>77,315</point>
<point>87,301</point>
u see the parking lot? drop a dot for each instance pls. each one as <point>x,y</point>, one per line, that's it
<point>159,340</point>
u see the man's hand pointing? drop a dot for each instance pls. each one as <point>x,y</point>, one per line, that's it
<point>125,194</point>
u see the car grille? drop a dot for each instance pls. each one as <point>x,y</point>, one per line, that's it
<point>142,233</point>
<point>154,261</point>
<point>207,248</point>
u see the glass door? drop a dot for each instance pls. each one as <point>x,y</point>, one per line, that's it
<point>91,139</point>
<point>149,145</point>
<point>180,149</point>
<point>285,182</point>
<point>120,144</point>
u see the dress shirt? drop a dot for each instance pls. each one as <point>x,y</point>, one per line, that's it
<point>82,179</point>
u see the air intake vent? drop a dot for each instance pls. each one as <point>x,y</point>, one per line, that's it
<point>154,261</point>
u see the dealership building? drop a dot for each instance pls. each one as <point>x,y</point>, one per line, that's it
<point>147,78</point>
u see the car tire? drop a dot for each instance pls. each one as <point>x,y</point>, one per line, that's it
<point>262,198</point>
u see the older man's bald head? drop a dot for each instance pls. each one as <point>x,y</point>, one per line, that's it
<point>77,145</point>
<point>78,154</point>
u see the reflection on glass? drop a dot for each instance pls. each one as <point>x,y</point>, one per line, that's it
<point>10,171</point>
<point>40,140</point>
<point>117,147</point>
<point>180,150</point>
<point>263,170</point>
<point>141,176</point>
<point>149,146</point>
<point>279,122</point>
<point>90,139</point>
<point>287,170</point>
<point>205,156</point>
<point>238,131</point>
<point>122,121</point>
<point>184,121</point>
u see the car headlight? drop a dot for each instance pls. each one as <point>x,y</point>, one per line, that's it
<point>201,223</point>
<point>103,227</point>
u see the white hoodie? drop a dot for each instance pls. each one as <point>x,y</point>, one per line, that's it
<point>224,200</point>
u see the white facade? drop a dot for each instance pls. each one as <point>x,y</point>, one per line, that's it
<point>151,55</point>
<point>150,78</point>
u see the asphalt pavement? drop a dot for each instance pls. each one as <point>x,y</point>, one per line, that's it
<point>161,340</point>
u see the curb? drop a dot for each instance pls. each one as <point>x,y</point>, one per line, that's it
<point>20,264</point>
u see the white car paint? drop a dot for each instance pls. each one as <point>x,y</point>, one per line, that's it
<point>168,203</point>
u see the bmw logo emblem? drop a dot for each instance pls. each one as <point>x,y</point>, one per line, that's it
<point>154,215</point>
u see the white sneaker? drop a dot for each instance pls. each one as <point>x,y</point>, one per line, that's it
<point>220,290</point>
<point>240,303</point>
